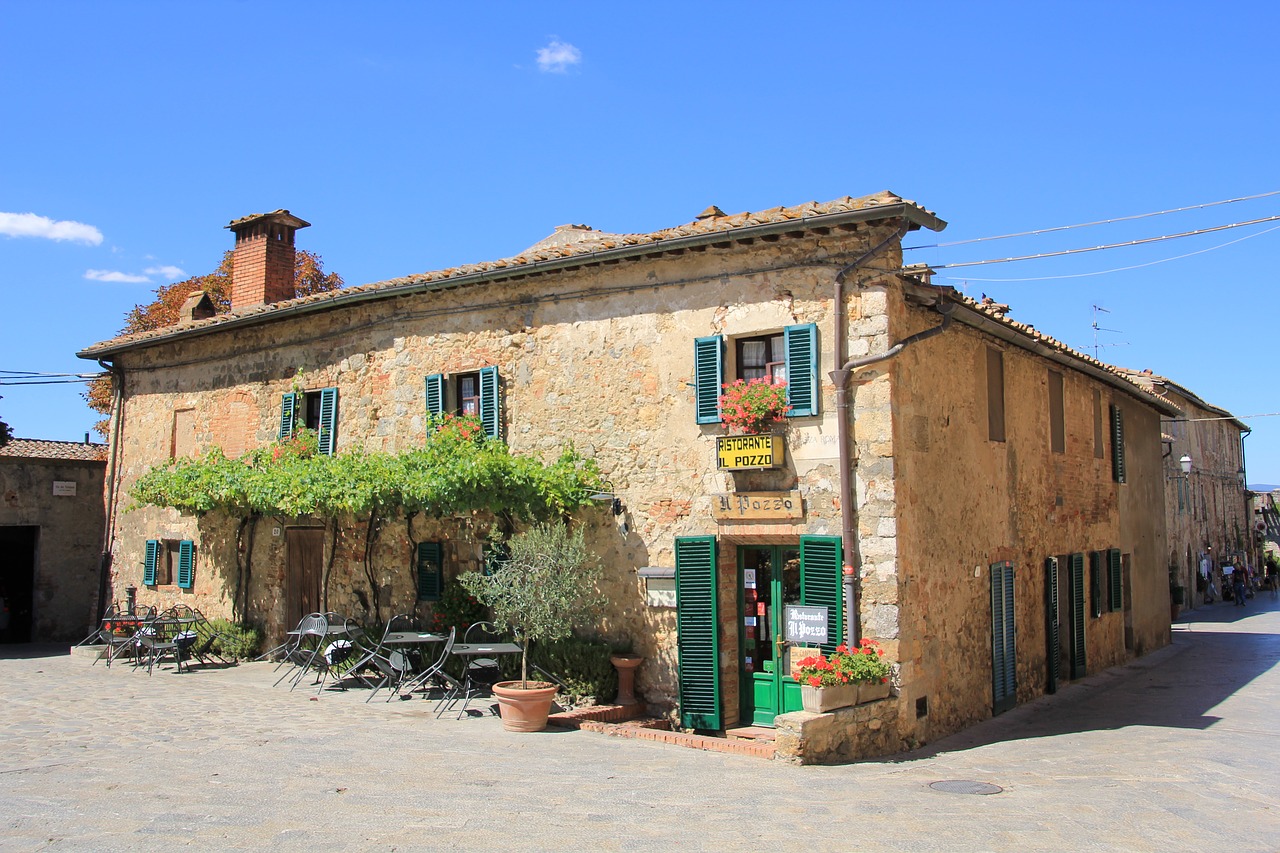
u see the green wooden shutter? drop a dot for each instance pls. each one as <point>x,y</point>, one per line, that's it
<point>1004,657</point>
<point>821,583</point>
<point>328,420</point>
<point>149,562</point>
<point>1095,583</point>
<point>435,397</point>
<point>490,402</point>
<point>698,632</point>
<point>186,563</point>
<point>1077,606</point>
<point>430,571</point>
<point>803,388</point>
<point>1117,444</point>
<point>708,375</point>
<point>1053,639</point>
<point>288,414</point>
<point>1115,581</point>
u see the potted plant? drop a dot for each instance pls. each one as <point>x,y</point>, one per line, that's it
<point>545,585</point>
<point>749,407</point>
<point>846,677</point>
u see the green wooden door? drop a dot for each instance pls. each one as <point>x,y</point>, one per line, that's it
<point>770,578</point>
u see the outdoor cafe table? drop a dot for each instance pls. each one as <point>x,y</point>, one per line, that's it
<point>485,649</point>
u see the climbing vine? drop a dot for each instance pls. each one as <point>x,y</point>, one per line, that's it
<point>459,470</point>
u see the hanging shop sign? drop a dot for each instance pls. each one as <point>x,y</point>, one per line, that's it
<point>757,506</point>
<point>806,624</point>
<point>745,452</point>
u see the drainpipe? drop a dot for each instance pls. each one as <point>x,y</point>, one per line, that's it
<point>113,458</point>
<point>841,377</point>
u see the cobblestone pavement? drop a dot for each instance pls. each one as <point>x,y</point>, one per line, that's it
<point>1172,752</point>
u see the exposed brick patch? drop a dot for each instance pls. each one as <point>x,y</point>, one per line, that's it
<point>595,713</point>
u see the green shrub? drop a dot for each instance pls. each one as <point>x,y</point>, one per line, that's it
<point>235,641</point>
<point>583,665</point>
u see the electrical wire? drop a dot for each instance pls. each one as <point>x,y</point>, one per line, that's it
<point>1090,224</point>
<point>1116,269</point>
<point>1082,250</point>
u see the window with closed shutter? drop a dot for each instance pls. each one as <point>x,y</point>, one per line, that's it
<point>1115,583</point>
<point>1076,604</point>
<point>186,564</point>
<point>1117,444</point>
<point>708,376</point>
<point>1004,656</point>
<point>430,571</point>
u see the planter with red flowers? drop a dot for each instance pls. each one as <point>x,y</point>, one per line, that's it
<point>845,677</point>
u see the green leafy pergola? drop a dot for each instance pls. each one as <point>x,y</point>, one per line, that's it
<point>457,471</point>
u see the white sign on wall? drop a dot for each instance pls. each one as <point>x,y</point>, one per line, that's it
<point>64,488</point>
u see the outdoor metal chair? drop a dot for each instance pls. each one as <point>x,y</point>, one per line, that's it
<point>301,646</point>
<point>480,674</point>
<point>341,646</point>
<point>431,674</point>
<point>157,639</point>
<point>123,644</point>
<point>392,665</point>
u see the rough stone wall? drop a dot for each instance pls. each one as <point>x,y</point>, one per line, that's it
<point>965,502</point>
<point>69,543</point>
<point>602,357</point>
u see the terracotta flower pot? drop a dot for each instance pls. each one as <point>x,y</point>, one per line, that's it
<point>524,709</point>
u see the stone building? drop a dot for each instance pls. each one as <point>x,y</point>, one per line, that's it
<point>960,467</point>
<point>51,534</point>
<point>1207,508</point>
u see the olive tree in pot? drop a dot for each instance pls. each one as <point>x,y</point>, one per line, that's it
<point>546,584</point>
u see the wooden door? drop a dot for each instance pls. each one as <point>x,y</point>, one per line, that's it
<point>304,568</point>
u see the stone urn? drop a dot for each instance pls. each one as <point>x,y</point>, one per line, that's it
<point>626,666</point>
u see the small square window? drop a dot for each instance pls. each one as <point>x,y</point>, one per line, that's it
<point>467,393</point>
<point>762,358</point>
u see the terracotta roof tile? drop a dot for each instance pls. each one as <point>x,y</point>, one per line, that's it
<point>708,225</point>
<point>39,448</point>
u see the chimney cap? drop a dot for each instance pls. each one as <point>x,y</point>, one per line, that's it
<point>711,212</point>
<point>283,217</point>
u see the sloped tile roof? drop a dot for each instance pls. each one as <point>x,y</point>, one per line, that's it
<point>586,242</point>
<point>39,448</point>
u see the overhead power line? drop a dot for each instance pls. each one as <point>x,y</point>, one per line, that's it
<point>1106,246</point>
<point>1115,269</point>
<point>1096,222</point>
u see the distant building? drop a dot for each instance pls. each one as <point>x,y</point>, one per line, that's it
<point>51,528</point>
<point>1207,511</point>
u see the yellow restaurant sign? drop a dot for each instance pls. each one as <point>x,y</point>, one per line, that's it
<point>741,452</point>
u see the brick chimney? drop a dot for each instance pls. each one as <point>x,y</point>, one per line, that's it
<point>262,266</point>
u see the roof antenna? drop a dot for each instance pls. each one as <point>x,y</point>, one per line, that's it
<point>1096,328</point>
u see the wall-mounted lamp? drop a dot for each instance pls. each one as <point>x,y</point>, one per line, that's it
<point>1185,462</point>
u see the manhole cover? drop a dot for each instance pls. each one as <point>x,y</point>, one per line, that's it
<point>963,786</point>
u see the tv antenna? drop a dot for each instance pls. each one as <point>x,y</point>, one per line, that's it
<point>1098,309</point>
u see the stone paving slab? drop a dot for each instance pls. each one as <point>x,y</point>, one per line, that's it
<point>1172,752</point>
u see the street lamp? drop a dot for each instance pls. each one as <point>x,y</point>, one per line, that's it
<point>1185,462</point>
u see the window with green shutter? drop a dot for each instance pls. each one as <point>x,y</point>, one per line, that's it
<point>802,369</point>
<point>822,583</point>
<point>288,414</point>
<point>430,571</point>
<point>1117,444</point>
<point>315,410</point>
<point>435,395</point>
<point>708,376</point>
<point>698,633</point>
<point>1004,656</point>
<point>1095,583</point>
<point>1053,639</point>
<point>186,564</point>
<point>477,393</point>
<point>1076,604</point>
<point>149,562</point>
<point>1115,583</point>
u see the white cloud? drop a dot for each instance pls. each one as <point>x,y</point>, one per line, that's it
<point>114,275</point>
<point>557,56</point>
<point>31,225</point>
<point>168,271</point>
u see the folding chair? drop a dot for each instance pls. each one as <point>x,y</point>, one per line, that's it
<point>393,665</point>
<point>341,646</point>
<point>480,674</point>
<point>432,673</point>
<point>124,644</point>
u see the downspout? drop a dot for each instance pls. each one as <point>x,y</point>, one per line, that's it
<point>851,561</point>
<point>113,458</point>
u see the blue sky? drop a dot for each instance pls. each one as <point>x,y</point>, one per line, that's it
<point>415,137</point>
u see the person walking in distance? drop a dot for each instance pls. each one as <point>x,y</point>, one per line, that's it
<point>1237,584</point>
